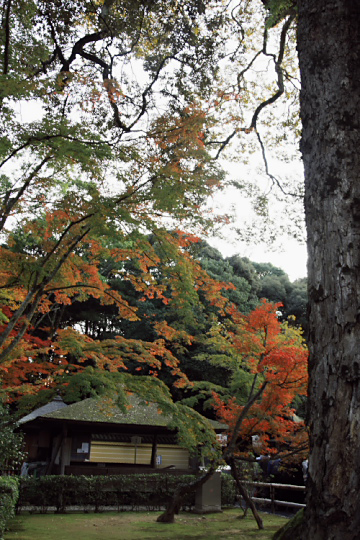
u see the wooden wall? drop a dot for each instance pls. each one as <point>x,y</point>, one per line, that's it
<point>114,452</point>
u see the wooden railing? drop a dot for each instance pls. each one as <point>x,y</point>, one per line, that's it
<point>272,500</point>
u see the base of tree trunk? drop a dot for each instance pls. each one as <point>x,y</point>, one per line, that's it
<point>293,530</point>
<point>173,508</point>
<point>248,500</point>
<point>181,491</point>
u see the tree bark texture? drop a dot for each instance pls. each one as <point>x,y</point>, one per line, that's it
<point>329,55</point>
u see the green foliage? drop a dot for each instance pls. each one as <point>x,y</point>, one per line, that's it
<point>95,493</point>
<point>228,490</point>
<point>30,402</point>
<point>87,384</point>
<point>9,493</point>
<point>244,268</point>
<point>88,159</point>
<point>11,444</point>
<point>86,177</point>
<point>278,9</point>
<point>221,269</point>
<point>274,285</point>
<point>296,303</point>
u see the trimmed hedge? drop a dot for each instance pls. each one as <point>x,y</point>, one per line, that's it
<point>149,491</point>
<point>9,492</point>
<point>96,492</point>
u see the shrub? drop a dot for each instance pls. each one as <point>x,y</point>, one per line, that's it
<point>138,490</point>
<point>11,443</point>
<point>228,490</point>
<point>9,492</point>
<point>149,491</point>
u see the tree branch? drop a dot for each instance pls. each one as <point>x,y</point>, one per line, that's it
<point>10,202</point>
<point>229,450</point>
<point>6,26</point>
<point>244,493</point>
<point>280,90</point>
<point>33,297</point>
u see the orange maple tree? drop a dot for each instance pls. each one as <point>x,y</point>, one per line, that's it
<point>272,358</point>
<point>43,348</point>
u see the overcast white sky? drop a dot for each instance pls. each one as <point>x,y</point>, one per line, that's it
<point>292,258</point>
<point>285,251</point>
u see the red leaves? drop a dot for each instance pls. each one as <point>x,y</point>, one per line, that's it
<point>168,278</point>
<point>275,354</point>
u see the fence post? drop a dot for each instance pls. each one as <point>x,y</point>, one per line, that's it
<point>272,497</point>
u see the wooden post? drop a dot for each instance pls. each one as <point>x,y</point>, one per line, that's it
<point>55,451</point>
<point>154,452</point>
<point>62,451</point>
<point>272,497</point>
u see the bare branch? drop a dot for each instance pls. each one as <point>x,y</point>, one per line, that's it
<point>6,26</point>
<point>278,69</point>
<point>10,202</point>
<point>273,178</point>
<point>280,90</point>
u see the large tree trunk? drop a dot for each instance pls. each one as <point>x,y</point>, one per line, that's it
<point>329,54</point>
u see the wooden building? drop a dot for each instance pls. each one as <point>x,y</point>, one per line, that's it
<point>95,436</point>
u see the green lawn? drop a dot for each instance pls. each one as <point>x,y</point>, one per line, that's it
<point>140,525</point>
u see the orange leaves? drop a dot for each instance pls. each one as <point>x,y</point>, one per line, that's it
<point>277,358</point>
<point>185,240</point>
<point>264,318</point>
<point>182,132</point>
<point>266,344</point>
<point>171,334</point>
<point>111,278</point>
<point>287,367</point>
<point>212,290</point>
<point>113,91</point>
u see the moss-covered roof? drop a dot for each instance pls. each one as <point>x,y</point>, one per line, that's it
<point>106,411</point>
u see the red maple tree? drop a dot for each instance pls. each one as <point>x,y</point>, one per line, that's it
<point>274,357</point>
